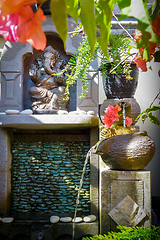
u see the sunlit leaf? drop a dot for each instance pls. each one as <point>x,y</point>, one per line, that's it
<point>59,16</point>
<point>154,108</point>
<point>155,8</point>
<point>88,20</point>
<point>153,119</point>
<point>150,67</point>
<point>72,9</point>
<point>103,18</point>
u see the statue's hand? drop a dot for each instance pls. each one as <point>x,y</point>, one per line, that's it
<point>32,70</point>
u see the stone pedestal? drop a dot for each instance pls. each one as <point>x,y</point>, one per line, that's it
<point>125,199</point>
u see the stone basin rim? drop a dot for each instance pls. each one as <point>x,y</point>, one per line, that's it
<point>38,121</point>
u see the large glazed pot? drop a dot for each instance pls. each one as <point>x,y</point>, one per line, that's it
<point>126,152</point>
<point>117,86</point>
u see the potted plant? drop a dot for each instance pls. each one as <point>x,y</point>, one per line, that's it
<point>120,74</point>
<point>115,68</point>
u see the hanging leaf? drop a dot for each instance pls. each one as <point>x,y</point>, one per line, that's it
<point>103,19</point>
<point>148,110</point>
<point>87,17</point>
<point>59,16</point>
<point>72,9</point>
<point>153,119</point>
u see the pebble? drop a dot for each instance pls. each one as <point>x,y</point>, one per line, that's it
<point>27,112</point>
<point>54,219</point>
<point>62,112</point>
<point>90,113</point>
<point>7,220</point>
<point>77,219</point>
<point>66,219</point>
<point>73,113</point>
<point>11,111</point>
<point>82,112</point>
<point>89,218</point>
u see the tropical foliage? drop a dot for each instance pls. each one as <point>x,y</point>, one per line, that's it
<point>17,17</point>
<point>135,233</point>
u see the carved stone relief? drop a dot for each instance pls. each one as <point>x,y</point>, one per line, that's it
<point>47,95</point>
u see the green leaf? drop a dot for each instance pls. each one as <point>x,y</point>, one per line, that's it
<point>154,108</point>
<point>150,67</point>
<point>148,110</point>
<point>72,9</point>
<point>153,119</point>
<point>59,16</point>
<point>144,117</point>
<point>87,17</point>
<point>146,54</point>
<point>103,18</point>
<point>155,8</point>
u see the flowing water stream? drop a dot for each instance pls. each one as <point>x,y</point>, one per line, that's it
<point>83,172</point>
<point>123,111</point>
<point>80,186</point>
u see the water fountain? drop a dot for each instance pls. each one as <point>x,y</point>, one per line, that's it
<point>42,155</point>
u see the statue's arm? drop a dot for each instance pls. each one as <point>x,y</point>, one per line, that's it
<point>33,73</point>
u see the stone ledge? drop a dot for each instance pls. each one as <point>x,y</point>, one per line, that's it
<point>39,121</point>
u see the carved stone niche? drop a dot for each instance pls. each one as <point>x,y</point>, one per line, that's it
<point>16,60</point>
<point>44,92</point>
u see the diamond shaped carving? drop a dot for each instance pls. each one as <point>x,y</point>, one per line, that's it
<point>127,213</point>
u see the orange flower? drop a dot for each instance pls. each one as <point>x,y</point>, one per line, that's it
<point>156,25</point>
<point>30,27</point>
<point>12,6</point>
<point>117,108</point>
<point>140,62</point>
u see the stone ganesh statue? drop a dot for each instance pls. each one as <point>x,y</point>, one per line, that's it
<point>49,91</point>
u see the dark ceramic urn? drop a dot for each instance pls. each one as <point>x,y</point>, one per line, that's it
<point>131,151</point>
<point>117,86</point>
